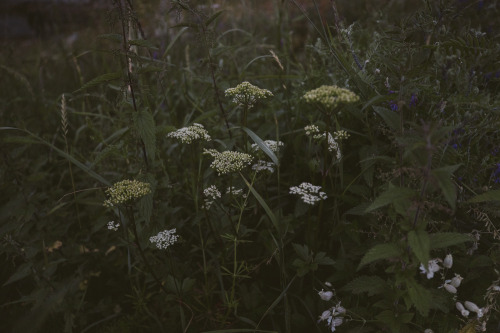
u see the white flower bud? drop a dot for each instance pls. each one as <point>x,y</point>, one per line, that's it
<point>456,281</point>
<point>448,261</point>
<point>325,315</point>
<point>471,306</point>
<point>428,331</point>
<point>462,310</point>
<point>325,295</point>
<point>449,288</point>
<point>328,284</point>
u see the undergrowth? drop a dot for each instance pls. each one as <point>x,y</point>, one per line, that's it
<point>323,167</point>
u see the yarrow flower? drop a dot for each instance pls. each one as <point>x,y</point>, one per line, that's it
<point>190,134</point>
<point>164,239</point>
<point>228,161</point>
<point>263,166</point>
<point>235,191</point>
<point>341,135</point>
<point>113,226</point>
<point>211,194</point>
<point>333,316</point>
<point>271,144</point>
<point>125,191</point>
<point>247,94</point>
<point>311,130</point>
<point>309,193</point>
<point>330,96</point>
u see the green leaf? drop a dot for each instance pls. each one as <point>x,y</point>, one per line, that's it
<point>391,118</point>
<point>23,271</point>
<point>367,284</point>
<point>63,154</point>
<point>420,244</point>
<point>379,251</point>
<point>445,239</point>
<point>443,177</point>
<point>261,145</point>
<point>394,195</point>
<point>143,43</point>
<point>213,17</point>
<point>101,79</point>
<point>263,204</point>
<point>302,251</point>
<point>176,37</point>
<point>322,259</point>
<point>493,195</point>
<point>145,125</point>
<point>146,202</point>
<point>113,37</point>
<point>420,297</point>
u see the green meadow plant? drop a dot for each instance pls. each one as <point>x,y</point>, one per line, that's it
<point>203,178</point>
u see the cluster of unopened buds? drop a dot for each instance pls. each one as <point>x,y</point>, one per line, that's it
<point>228,161</point>
<point>330,97</point>
<point>125,191</point>
<point>247,94</point>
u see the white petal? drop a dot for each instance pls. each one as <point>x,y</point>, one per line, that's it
<point>471,306</point>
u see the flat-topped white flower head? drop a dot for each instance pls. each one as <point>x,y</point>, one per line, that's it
<point>190,134</point>
<point>247,94</point>
<point>164,239</point>
<point>228,161</point>
<point>125,191</point>
<point>271,144</point>
<point>309,193</point>
<point>330,97</point>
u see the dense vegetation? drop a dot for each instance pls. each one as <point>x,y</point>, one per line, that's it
<point>247,166</point>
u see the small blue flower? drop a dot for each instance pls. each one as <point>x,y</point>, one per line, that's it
<point>413,100</point>
<point>393,105</point>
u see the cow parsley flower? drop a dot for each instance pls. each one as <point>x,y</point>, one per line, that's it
<point>235,192</point>
<point>190,134</point>
<point>330,97</point>
<point>247,94</point>
<point>271,144</point>
<point>263,166</point>
<point>113,226</point>
<point>126,190</point>
<point>309,193</point>
<point>164,239</point>
<point>211,194</point>
<point>311,130</point>
<point>341,135</point>
<point>228,161</point>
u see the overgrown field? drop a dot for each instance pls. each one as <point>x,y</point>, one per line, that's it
<point>254,166</point>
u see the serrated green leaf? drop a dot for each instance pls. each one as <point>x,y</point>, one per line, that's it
<point>394,195</point>
<point>445,239</point>
<point>493,195</point>
<point>372,285</point>
<point>379,251</point>
<point>261,145</point>
<point>322,259</point>
<point>101,79</point>
<point>176,37</point>
<point>420,244</point>
<point>145,125</point>
<point>391,118</point>
<point>443,177</point>
<point>302,251</point>
<point>420,297</point>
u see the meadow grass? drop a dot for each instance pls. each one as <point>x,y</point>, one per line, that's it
<point>246,166</point>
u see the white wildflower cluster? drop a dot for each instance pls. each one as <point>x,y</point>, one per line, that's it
<point>333,146</point>
<point>309,193</point>
<point>468,307</point>
<point>164,239</point>
<point>271,144</point>
<point>311,130</point>
<point>113,226</point>
<point>235,192</point>
<point>247,94</point>
<point>263,166</point>
<point>334,317</point>
<point>341,135</point>
<point>330,97</point>
<point>228,161</point>
<point>190,134</point>
<point>211,194</point>
<point>431,268</point>
<point>125,191</point>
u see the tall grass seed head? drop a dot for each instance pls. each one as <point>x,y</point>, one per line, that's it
<point>228,161</point>
<point>125,191</point>
<point>190,134</point>
<point>330,97</point>
<point>247,94</point>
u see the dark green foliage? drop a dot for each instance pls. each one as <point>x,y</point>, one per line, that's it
<point>419,176</point>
